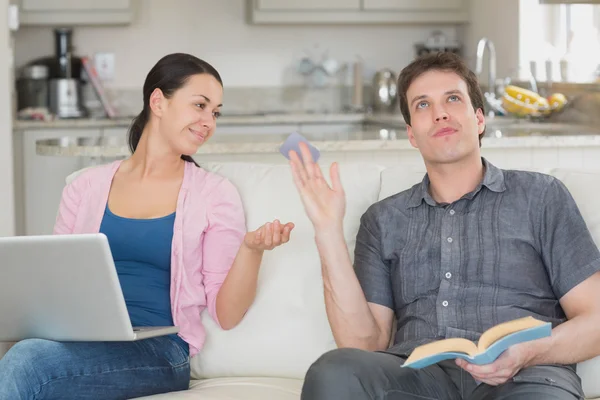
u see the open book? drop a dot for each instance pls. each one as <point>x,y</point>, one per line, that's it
<point>490,345</point>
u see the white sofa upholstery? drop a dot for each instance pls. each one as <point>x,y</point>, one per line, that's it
<point>286,329</point>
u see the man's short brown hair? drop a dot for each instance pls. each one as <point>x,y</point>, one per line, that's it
<point>439,61</point>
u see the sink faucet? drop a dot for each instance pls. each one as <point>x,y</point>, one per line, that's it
<point>483,43</point>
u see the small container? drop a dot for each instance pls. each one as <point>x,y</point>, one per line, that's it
<point>32,87</point>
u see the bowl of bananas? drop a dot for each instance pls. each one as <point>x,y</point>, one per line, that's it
<point>524,103</point>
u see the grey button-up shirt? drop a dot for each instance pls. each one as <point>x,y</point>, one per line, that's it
<point>509,249</point>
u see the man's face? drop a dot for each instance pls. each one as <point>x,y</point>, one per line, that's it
<point>444,126</point>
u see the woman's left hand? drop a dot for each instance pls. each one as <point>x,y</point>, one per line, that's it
<point>269,236</point>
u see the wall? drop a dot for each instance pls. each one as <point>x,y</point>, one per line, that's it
<point>497,20</point>
<point>246,55</point>
<point>7,218</point>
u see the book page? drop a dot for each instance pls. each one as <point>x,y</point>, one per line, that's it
<point>506,328</point>
<point>458,345</point>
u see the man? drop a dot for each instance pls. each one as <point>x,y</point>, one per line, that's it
<point>469,247</point>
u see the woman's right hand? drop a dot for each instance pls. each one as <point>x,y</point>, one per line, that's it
<point>324,205</point>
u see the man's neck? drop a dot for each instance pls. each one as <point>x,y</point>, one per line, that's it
<point>449,182</point>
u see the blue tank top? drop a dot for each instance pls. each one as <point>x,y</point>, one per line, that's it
<point>141,249</point>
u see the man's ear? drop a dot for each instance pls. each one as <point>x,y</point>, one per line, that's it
<point>480,121</point>
<point>411,136</point>
<point>157,102</point>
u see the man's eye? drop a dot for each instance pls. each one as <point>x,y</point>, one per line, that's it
<point>453,98</point>
<point>422,104</point>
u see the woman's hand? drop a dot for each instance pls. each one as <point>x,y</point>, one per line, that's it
<point>268,236</point>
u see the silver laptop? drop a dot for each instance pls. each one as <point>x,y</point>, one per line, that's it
<point>64,288</point>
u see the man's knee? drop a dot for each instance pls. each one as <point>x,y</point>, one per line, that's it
<point>336,369</point>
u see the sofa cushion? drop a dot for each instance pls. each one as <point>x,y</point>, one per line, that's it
<point>397,179</point>
<point>286,328</point>
<point>237,389</point>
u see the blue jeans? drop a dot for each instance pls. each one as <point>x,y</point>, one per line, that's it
<point>42,369</point>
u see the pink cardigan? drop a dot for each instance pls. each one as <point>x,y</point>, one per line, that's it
<point>209,229</point>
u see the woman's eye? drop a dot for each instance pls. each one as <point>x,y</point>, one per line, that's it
<point>201,105</point>
<point>217,114</point>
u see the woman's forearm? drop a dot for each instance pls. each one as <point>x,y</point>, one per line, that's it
<point>239,288</point>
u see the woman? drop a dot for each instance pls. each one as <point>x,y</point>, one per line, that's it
<point>177,235</point>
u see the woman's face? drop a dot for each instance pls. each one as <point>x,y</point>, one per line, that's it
<point>189,117</point>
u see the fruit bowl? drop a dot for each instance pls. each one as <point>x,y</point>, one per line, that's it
<point>523,103</point>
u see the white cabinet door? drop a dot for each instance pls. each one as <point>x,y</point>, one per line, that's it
<point>411,5</point>
<point>72,5</point>
<point>307,5</point>
<point>41,179</point>
<point>75,12</point>
<point>357,12</point>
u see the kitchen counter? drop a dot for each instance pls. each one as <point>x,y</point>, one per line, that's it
<point>230,120</point>
<point>361,140</point>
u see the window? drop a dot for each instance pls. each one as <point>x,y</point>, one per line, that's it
<point>560,40</point>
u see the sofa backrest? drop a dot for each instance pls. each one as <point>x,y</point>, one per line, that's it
<point>286,328</point>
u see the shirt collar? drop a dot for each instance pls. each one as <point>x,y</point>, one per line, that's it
<point>493,179</point>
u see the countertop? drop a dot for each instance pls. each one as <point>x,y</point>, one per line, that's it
<point>357,141</point>
<point>229,120</point>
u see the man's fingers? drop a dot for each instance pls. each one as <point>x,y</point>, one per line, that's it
<point>298,169</point>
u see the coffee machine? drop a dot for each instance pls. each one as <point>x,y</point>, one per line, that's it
<point>64,78</point>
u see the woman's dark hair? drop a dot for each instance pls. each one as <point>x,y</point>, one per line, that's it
<point>169,74</point>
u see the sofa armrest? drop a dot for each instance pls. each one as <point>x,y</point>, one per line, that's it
<point>589,371</point>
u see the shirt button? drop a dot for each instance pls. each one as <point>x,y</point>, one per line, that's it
<point>445,303</point>
<point>448,275</point>
<point>452,212</point>
<point>449,240</point>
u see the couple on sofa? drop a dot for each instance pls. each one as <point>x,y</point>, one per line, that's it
<point>469,247</point>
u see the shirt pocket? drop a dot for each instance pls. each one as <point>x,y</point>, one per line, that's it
<point>555,376</point>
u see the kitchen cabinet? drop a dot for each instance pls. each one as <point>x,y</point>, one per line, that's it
<point>357,11</point>
<point>39,180</point>
<point>310,5</point>
<point>410,5</point>
<point>75,12</point>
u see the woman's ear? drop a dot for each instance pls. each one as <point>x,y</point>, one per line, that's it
<point>157,102</point>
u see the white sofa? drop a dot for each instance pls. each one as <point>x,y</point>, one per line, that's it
<point>286,329</point>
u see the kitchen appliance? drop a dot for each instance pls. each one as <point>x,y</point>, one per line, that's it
<point>66,99</point>
<point>63,62</point>
<point>437,42</point>
<point>32,87</point>
<point>64,77</point>
<point>384,91</point>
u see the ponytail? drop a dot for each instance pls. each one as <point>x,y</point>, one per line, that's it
<point>136,129</point>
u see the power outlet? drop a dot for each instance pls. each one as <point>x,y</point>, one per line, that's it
<point>105,66</point>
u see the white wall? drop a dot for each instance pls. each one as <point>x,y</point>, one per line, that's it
<point>497,20</point>
<point>216,30</point>
<point>7,217</point>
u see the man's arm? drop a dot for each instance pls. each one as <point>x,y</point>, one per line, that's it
<point>354,322</point>
<point>578,339</point>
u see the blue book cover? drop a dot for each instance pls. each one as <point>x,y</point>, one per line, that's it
<point>424,356</point>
